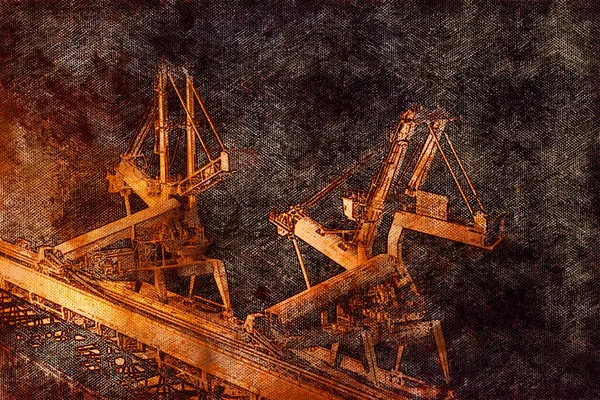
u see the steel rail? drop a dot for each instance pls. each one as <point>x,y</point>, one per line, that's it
<point>214,337</point>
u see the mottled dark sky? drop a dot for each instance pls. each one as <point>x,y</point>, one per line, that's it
<point>309,88</point>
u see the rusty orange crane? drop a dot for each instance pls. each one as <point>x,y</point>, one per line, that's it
<point>376,295</point>
<point>323,343</point>
<point>352,247</point>
<point>178,240</point>
<point>211,353</point>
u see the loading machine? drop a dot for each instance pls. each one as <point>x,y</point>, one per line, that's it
<point>375,301</point>
<point>112,280</point>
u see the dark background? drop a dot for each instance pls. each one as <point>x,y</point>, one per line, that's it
<point>300,90</point>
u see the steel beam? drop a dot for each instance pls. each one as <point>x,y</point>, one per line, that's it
<point>199,342</point>
<point>119,229</point>
<point>328,292</point>
<point>436,227</point>
<point>330,245</point>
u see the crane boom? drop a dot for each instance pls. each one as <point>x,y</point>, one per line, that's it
<point>335,183</point>
<point>425,158</point>
<point>116,230</point>
<point>380,186</point>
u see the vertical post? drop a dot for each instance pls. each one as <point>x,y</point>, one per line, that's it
<point>333,354</point>
<point>190,134</point>
<point>301,261</point>
<point>125,193</point>
<point>160,284</point>
<point>161,126</point>
<point>441,348</point>
<point>399,353</point>
<point>190,138</point>
<point>369,347</point>
<point>220,276</point>
<point>192,283</point>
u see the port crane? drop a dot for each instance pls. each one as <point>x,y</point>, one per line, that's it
<point>375,299</point>
<point>352,247</point>
<point>167,234</point>
<point>91,281</point>
<point>178,241</point>
<point>99,280</point>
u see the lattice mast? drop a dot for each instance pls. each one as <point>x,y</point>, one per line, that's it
<point>180,242</point>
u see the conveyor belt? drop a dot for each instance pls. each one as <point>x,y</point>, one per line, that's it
<point>200,343</point>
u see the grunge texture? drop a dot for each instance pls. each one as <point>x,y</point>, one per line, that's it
<point>302,89</point>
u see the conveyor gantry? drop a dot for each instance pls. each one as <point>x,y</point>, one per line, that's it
<point>215,348</point>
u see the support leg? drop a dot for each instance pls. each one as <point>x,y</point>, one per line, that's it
<point>125,193</point>
<point>334,353</point>
<point>399,353</point>
<point>367,339</point>
<point>220,276</point>
<point>441,348</point>
<point>192,283</point>
<point>301,261</point>
<point>160,285</point>
<point>394,241</point>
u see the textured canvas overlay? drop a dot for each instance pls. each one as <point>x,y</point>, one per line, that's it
<point>299,92</point>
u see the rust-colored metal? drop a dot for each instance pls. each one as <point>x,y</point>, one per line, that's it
<point>117,230</point>
<point>131,172</point>
<point>471,235</point>
<point>294,349</point>
<point>216,346</point>
<point>176,241</point>
<point>376,296</point>
<point>320,296</point>
<point>370,219</point>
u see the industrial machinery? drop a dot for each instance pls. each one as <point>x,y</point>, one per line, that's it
<point>176,239</point>
<point>375,302</point>
<point>111,281</point>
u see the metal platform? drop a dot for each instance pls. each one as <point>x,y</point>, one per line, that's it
<point>193,344</point>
